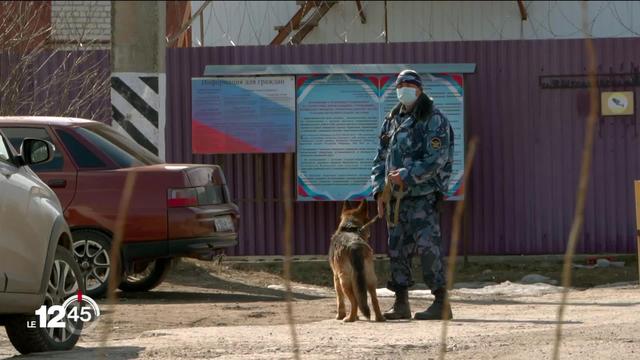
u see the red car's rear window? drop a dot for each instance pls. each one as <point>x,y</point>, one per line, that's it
<point>122,150</point>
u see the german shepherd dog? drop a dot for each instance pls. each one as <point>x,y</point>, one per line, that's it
<point>351,260</point>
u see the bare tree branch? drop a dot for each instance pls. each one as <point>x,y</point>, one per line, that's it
<point>37,78</point>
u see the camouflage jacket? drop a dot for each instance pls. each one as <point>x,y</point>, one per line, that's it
<point>420,144</point>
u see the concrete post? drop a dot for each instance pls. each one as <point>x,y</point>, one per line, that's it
<point>137,71</point>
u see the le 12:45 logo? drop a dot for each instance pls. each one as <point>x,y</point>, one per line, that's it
<point>76,313</point>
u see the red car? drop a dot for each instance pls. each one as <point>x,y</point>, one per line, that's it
<point>175,210</point>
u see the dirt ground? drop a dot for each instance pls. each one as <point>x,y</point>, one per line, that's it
<point>204,311</point>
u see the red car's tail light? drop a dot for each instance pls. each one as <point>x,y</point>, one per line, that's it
<point>196,196</point>
<point>182,197</point>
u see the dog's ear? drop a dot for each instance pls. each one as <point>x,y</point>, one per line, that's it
<point>345,206</point>
<point>362,208</point>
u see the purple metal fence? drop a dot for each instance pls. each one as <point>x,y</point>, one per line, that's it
<point>522,190</point>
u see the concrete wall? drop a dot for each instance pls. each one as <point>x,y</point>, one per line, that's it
<point>252,23</point>
<point>89,21</point>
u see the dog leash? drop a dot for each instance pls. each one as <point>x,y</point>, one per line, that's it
<point>369,223</point>
<point>387,194</point>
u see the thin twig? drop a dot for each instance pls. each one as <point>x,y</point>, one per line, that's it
<point>116,245</point>
<point>288,226</point>
<point>636,185</point>
<point>583,183</point>
<point>455,239</point>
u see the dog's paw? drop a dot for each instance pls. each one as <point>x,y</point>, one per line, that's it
<point>350,319</point>
<point>380,319</point>
<point>341,316</point>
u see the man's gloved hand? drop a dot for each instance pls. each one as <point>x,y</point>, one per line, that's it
<point>396,178</point>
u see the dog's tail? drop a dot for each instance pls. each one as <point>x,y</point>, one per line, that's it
<point>360,282</point>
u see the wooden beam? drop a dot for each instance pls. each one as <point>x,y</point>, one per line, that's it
<point>523,10</point>
<point>313,22</point>
<point>306,7</point>
<point>363,18</point>
<point>171,40</point>
<point>285,30</point>
<point>183,40</point>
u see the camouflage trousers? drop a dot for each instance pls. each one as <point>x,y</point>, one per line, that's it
<point>417,233</point>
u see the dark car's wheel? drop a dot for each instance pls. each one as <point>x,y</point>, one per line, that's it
<point>148,277</point>
<point>92,250</point>
<point>65,281</point>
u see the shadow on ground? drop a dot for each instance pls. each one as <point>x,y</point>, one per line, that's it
<point>82,353</point>
<point>179,297</point>
<point>535,322</point>
<point>215,289</point>
<point>516,302</point>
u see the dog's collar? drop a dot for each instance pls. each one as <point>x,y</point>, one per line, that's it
<point>350,228</point>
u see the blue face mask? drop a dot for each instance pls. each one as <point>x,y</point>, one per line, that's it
<point>407,95</point>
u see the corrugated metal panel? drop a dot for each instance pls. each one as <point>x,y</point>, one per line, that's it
<point>60,76</point>
<point>522,191</point>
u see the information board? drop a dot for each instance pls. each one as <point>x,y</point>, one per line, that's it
<point>338,122</point>
<point>243,115</point>
<point>338,119</point>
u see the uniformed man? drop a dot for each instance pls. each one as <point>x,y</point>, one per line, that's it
<point>415,156</point>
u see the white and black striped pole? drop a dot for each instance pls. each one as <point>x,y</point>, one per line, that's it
<point>137,71</point>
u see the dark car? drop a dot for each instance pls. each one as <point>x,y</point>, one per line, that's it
<point>175,209</point>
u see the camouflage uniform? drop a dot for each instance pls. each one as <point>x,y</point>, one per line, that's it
<point>420,144</point>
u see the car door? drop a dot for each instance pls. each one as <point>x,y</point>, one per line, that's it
<point>4,187</point>
<point>27,213</point>
<point>60,174</point>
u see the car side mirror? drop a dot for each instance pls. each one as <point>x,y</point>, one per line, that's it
<point>35,151</point>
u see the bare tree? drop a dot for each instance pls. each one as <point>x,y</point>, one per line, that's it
<point>39,79</point>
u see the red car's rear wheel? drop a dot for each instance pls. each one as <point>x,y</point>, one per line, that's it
<point>148,277</point>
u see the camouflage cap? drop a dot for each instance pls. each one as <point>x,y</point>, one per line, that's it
<point>409,76</point>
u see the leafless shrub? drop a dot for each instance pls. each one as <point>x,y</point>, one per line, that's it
<point>38,78</point>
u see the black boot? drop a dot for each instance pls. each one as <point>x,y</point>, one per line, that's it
<point>400,309</point>
<point>435,311</point>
